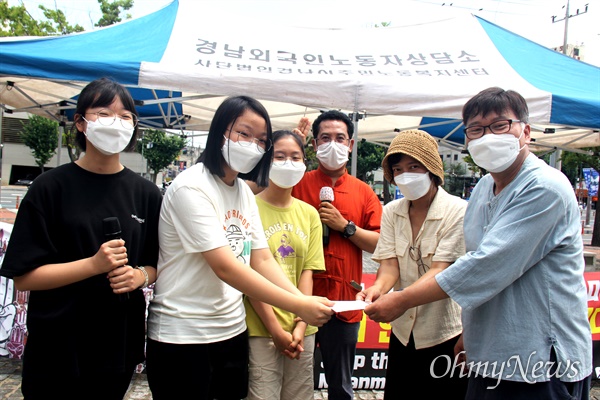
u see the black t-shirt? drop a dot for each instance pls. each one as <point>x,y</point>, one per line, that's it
<point>83,326</point>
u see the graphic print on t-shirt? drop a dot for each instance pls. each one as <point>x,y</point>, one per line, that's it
<point>285,250</point>
<point>237,242</point>
<point>288,240</point>
<point>237,231</point>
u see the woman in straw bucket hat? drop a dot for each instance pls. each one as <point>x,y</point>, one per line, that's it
<point>421,232</point>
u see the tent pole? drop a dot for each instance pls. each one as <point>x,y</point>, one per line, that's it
<point>61,130</point>
<point>353,167</point>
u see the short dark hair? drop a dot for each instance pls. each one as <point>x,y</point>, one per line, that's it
<point>102,93</point>
<point>227,113</point>
<point>496,100</point>
<point>280,134</point>
<point>333,115</point>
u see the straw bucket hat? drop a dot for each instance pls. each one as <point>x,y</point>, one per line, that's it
<point>421,146</point>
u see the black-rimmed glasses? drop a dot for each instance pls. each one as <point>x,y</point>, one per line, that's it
<point>245,139</point>
<point>497,127</point>
<point>415,255</point>
<point>107,118</point>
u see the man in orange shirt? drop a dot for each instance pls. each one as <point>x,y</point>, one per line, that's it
<point>353,218</point>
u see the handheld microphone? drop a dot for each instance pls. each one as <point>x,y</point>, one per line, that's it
<point>112,230</point>
<point>326,194</point>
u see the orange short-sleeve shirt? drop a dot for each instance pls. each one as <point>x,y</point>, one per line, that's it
<point>357,202</point>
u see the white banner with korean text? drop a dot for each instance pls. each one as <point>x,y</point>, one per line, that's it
<point>426,69</point>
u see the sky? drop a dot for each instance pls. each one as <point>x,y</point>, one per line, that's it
<point>531,19</point>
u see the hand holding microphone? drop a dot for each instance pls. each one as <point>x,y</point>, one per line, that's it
<point>326,195</point>
<point>111,254</point>
<point>111,228</point>
<point>117,256</point>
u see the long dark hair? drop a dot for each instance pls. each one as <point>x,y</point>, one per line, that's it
<point>227,113</point>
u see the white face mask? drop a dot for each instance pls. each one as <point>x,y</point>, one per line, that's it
<point>495,153</point>
<point>287,175</point>
<point>240,158</point>
<point>413,185</point>
<point>108,139</point>
<point>333,155</point>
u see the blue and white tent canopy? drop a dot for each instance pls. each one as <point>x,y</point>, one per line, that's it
<point>394,76</point>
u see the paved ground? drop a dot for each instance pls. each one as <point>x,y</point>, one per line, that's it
<point>10,380</point>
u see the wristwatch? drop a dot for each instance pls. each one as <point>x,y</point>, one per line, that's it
<point>349,230</point>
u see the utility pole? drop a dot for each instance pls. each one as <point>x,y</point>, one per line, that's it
<point>566,19</point>
<point>555,158</point>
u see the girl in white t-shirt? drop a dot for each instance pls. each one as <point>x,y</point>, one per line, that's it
<point>212,250</point>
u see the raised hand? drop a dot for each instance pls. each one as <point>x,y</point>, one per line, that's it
<point>303,129</point>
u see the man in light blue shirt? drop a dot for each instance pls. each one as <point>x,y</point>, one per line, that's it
<point>520,285</point>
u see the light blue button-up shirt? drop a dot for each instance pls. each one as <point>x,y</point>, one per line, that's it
<point>521,283</point>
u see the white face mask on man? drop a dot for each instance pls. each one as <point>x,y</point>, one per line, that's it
<point>495,152</point>
<point>333,155</point>
<point>413,185</point>
<point>108,138</point>
<point>240,158</point>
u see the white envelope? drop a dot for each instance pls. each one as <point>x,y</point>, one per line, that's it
<point>352,305</point>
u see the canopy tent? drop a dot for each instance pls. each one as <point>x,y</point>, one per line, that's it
<point>188,59</point>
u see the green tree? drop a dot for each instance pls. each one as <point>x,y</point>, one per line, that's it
<point>369,159</point>
<point>69,140</point>
<point>16,21</point>
<point>311,156</point>
<point>474,168</point>
<point>111,11</point>
<point>159,149</point>
<point>41,136</point>
<point>57,22</point>
<point>574,162</point>
<point>571,164</point>
<point>577,161</point>
<point>454,181</point>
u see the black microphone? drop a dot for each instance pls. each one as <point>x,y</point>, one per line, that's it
<point>112,230</point>
<point>326,194</point>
